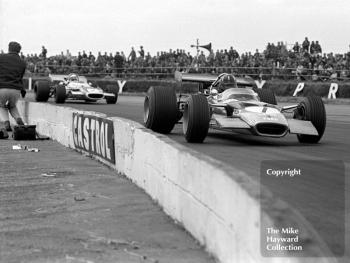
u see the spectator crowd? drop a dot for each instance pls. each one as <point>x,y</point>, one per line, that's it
<point>302,61</point>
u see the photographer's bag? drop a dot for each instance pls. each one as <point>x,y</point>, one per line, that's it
<point>24,132</point>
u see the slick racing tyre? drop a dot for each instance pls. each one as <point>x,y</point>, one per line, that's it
<point>196,118</point>
<point>60,94</point>
<point>112,89</point>
<point>267,96</point>
<point>42,90</point>
<point>311,109</point>
<point>160,109</point>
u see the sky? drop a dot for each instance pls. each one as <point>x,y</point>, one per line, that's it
<point>160,25</point>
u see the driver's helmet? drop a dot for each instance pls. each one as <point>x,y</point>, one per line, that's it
<point>228,81</point>
<point>73,77</point>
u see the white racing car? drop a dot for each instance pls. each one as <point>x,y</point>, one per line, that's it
<point>73,87</point>
<point>231,104</point>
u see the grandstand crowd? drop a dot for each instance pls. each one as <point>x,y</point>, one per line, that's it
<point>302,61</point>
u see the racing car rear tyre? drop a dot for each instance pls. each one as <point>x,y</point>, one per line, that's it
<point>42,90</point>
<point>60,94</point>
<point>112,89</point>
<point>196,118</point>
<point>267,96</point>
<point>160,109</point>
<point>311,109</point>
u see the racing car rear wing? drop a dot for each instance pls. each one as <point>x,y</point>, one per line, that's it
<point>208,79</point>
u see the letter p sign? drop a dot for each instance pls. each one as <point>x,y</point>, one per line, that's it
<point>299,88</point>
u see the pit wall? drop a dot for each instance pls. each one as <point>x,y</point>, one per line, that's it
<point>218,204</point>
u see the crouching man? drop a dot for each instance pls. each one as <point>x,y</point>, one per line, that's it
<point>12,69</point>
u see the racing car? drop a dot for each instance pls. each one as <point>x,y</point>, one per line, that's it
<point>231,104</point>
<point>72,87</point>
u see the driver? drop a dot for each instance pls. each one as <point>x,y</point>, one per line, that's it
<point>73,78</point>
<point>228,81</point>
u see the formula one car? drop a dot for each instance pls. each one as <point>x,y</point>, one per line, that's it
<point>231,104</point>
<point>73,87</point>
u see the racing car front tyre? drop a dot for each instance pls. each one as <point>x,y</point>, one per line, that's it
<point>112,89</point>
<point>160,109</point>
<point>267,96</point>
<point>112,100</point>
<point>311,109</point>
<point>60,94</point>
<point>42,90</point>
<point>196,118</point>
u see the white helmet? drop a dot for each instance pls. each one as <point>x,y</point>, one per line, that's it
<point>73,77</point>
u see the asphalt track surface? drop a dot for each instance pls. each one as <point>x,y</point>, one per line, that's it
<point>247,152</point>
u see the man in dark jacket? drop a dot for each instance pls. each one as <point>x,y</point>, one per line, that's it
<point>306,44</point>
<point>118,63</point>
<point>12,69</point>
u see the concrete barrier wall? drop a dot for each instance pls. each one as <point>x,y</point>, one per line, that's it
<point>219,205</point>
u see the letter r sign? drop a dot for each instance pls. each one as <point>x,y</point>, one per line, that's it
<point>333,91</point>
